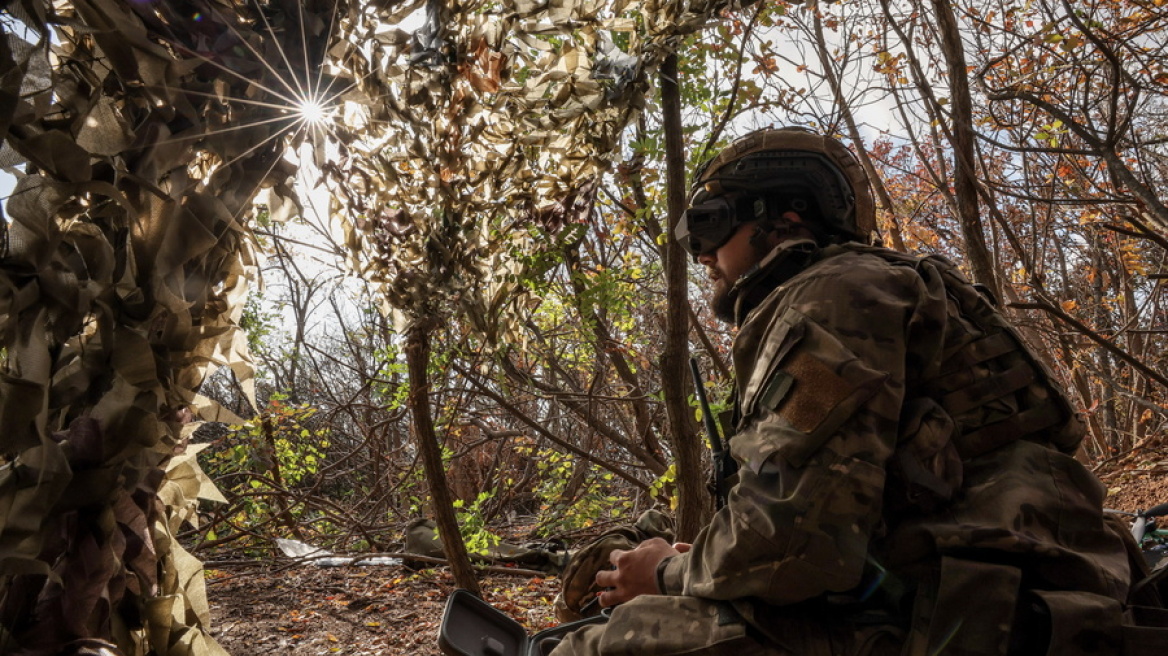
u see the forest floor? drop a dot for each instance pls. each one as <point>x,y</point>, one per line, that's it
<point>377,610</point>
<point>390,610</point>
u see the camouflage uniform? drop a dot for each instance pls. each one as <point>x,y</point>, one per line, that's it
<point>906,482</point>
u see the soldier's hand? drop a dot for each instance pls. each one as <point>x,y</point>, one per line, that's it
<point>634,572</point>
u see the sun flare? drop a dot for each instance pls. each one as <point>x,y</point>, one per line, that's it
<point>313,112</point>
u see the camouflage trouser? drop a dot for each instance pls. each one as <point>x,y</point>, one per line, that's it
<point>663,626</point>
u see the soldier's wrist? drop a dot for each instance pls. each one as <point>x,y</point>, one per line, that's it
<point>661,588</point>
<point>671,574</point>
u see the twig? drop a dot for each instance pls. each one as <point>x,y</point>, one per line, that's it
<point>1095,337</point>
<point>297,562</point>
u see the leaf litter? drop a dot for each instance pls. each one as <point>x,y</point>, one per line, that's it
<point>355,610</point>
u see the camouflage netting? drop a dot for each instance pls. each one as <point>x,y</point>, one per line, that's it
<point>143,132</point>
<point>483,133</point>
<point>127,260</point>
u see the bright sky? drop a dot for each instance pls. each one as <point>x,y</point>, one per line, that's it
<point>7,183</point>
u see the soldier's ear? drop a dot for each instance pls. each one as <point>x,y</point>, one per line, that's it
<point>764,233</point>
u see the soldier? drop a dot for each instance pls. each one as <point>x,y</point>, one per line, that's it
<point>906,482</point>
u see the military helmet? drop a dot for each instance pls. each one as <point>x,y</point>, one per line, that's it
<point>793,164</point>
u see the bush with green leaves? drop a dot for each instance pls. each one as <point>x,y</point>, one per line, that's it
<point>563,510</point>
<point>472,523</point>
<point>266,469</point>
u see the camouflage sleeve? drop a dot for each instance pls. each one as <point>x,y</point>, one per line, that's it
<point>820,411</point>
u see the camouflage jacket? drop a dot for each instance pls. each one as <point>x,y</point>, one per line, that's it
<point>849,441</point>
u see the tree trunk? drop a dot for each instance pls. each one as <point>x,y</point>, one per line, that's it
<point>693,501</point>
<point>883,198</point>
<point>965,182</point>
<point>417,361</point>
<point>279,495</point>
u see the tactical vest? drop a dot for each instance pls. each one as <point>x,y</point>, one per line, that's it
<point>994,389</point>
<point>988,390</point>
<point>997,392</point>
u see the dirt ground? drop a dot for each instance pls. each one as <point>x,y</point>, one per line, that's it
<point>1137,489</point>
<point>389,610</point>
<point>381,610</point>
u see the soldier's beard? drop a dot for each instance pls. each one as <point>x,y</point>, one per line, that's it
<point>725,298</point>
<point>723,301</point>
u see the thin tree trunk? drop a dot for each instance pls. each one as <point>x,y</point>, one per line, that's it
<point>965,182</point>
<point>417,353</point>
<point>693,501</point>
<point>607,349</point>
<point>883,199</point>
<point>273,462</point>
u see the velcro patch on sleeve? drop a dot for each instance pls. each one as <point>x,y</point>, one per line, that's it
<point>814,391</point>
<point>776,390</point>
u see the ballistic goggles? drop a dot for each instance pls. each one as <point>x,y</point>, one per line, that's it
<point>707,225</point>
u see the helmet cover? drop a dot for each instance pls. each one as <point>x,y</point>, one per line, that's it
<point>778,162</point>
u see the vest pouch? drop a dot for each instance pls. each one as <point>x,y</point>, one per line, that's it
<point>1145,631</point>
<point>970,611</point>
<point>1082,623</point>
<point>926,469</point>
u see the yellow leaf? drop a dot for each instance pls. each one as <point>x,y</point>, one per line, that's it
<point>1070,305</point>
